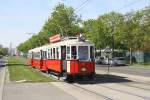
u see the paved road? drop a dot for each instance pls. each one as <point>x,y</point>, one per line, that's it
<point>109,87</point>
<point>115,86</point>
<point>125,70</point>
<point>34,91</point>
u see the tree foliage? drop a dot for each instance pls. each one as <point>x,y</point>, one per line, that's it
<point>3,51</point>
<point>129,31</point>
<point>62,21</point>
<point>102,30</point>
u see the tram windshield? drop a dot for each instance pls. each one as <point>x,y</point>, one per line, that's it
<point>83,53</point>
<point>73,52</point>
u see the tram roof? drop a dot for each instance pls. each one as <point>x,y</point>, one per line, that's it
<point>75,42</point>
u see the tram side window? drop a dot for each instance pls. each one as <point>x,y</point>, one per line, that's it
<point>92,53</point>
<point>68,52</point>
<point>73,52</point>
<point>44,55</point>
<point>53,53</point>
<point>49,53</point>
<point>57,53</point>
<point>39,55</point>
<point>29,55</point>
<point>51,56</point>
<point>33,55</point>
<point>63,52</point>
<point>36,55</point>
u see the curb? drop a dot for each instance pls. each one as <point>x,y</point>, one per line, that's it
<point>2,83</point>
<point>7,80</point>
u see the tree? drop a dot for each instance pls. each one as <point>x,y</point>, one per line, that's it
<point>135,31</point>
<point>3,51</point>
<point>62,21</point>
<point>102,30</point>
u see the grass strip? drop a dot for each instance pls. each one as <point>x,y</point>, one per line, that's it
<point>18,70</point>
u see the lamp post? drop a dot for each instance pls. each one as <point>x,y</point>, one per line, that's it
<point>107,53</point>
<point>113,45</point>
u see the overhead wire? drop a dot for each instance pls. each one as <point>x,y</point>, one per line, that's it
<point>128,5</point>
<point>83,4</point>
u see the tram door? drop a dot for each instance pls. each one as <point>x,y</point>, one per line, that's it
<point>63,58</point>
<point>43,58</point>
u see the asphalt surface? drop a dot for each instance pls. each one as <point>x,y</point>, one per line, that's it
<point>123,83</point>
<point>125,70</point>
<point>29,91</point>
<point>34,91</point>
<point>114,86</point>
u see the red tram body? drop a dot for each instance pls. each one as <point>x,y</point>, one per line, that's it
<point>69,58</point>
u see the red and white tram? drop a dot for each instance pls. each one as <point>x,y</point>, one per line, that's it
<point>69,57</point>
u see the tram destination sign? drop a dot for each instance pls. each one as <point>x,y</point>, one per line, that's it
<point>55,38</point>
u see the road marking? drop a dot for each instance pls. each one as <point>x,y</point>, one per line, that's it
<point>2,74</point>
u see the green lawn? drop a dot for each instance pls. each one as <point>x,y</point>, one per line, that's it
<point>18,70</point>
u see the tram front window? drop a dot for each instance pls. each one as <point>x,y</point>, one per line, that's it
<point>83,53</point>
<point>73,52</point>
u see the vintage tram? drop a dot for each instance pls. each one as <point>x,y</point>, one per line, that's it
<point>68,57</point>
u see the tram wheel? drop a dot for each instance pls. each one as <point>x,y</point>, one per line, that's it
<point>91,76</point>
<point>70,79</point>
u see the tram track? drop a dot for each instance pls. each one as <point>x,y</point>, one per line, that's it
<point>114,89</point>
<point>126,92</point>
<point>146,83</point>
<point>110,88</point>
<point>121,91</point>
<point>135,86</point>
<point>90,91</point>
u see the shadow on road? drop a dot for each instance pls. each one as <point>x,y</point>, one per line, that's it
<point>103,78</point>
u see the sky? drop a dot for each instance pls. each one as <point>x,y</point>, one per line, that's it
<point>19,17</point>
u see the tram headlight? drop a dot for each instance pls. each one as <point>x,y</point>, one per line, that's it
<point>83,69</point>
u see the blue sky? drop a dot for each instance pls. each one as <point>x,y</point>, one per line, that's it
<point>18,17</point>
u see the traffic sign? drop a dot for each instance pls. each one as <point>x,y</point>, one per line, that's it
<point>107,50</point>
